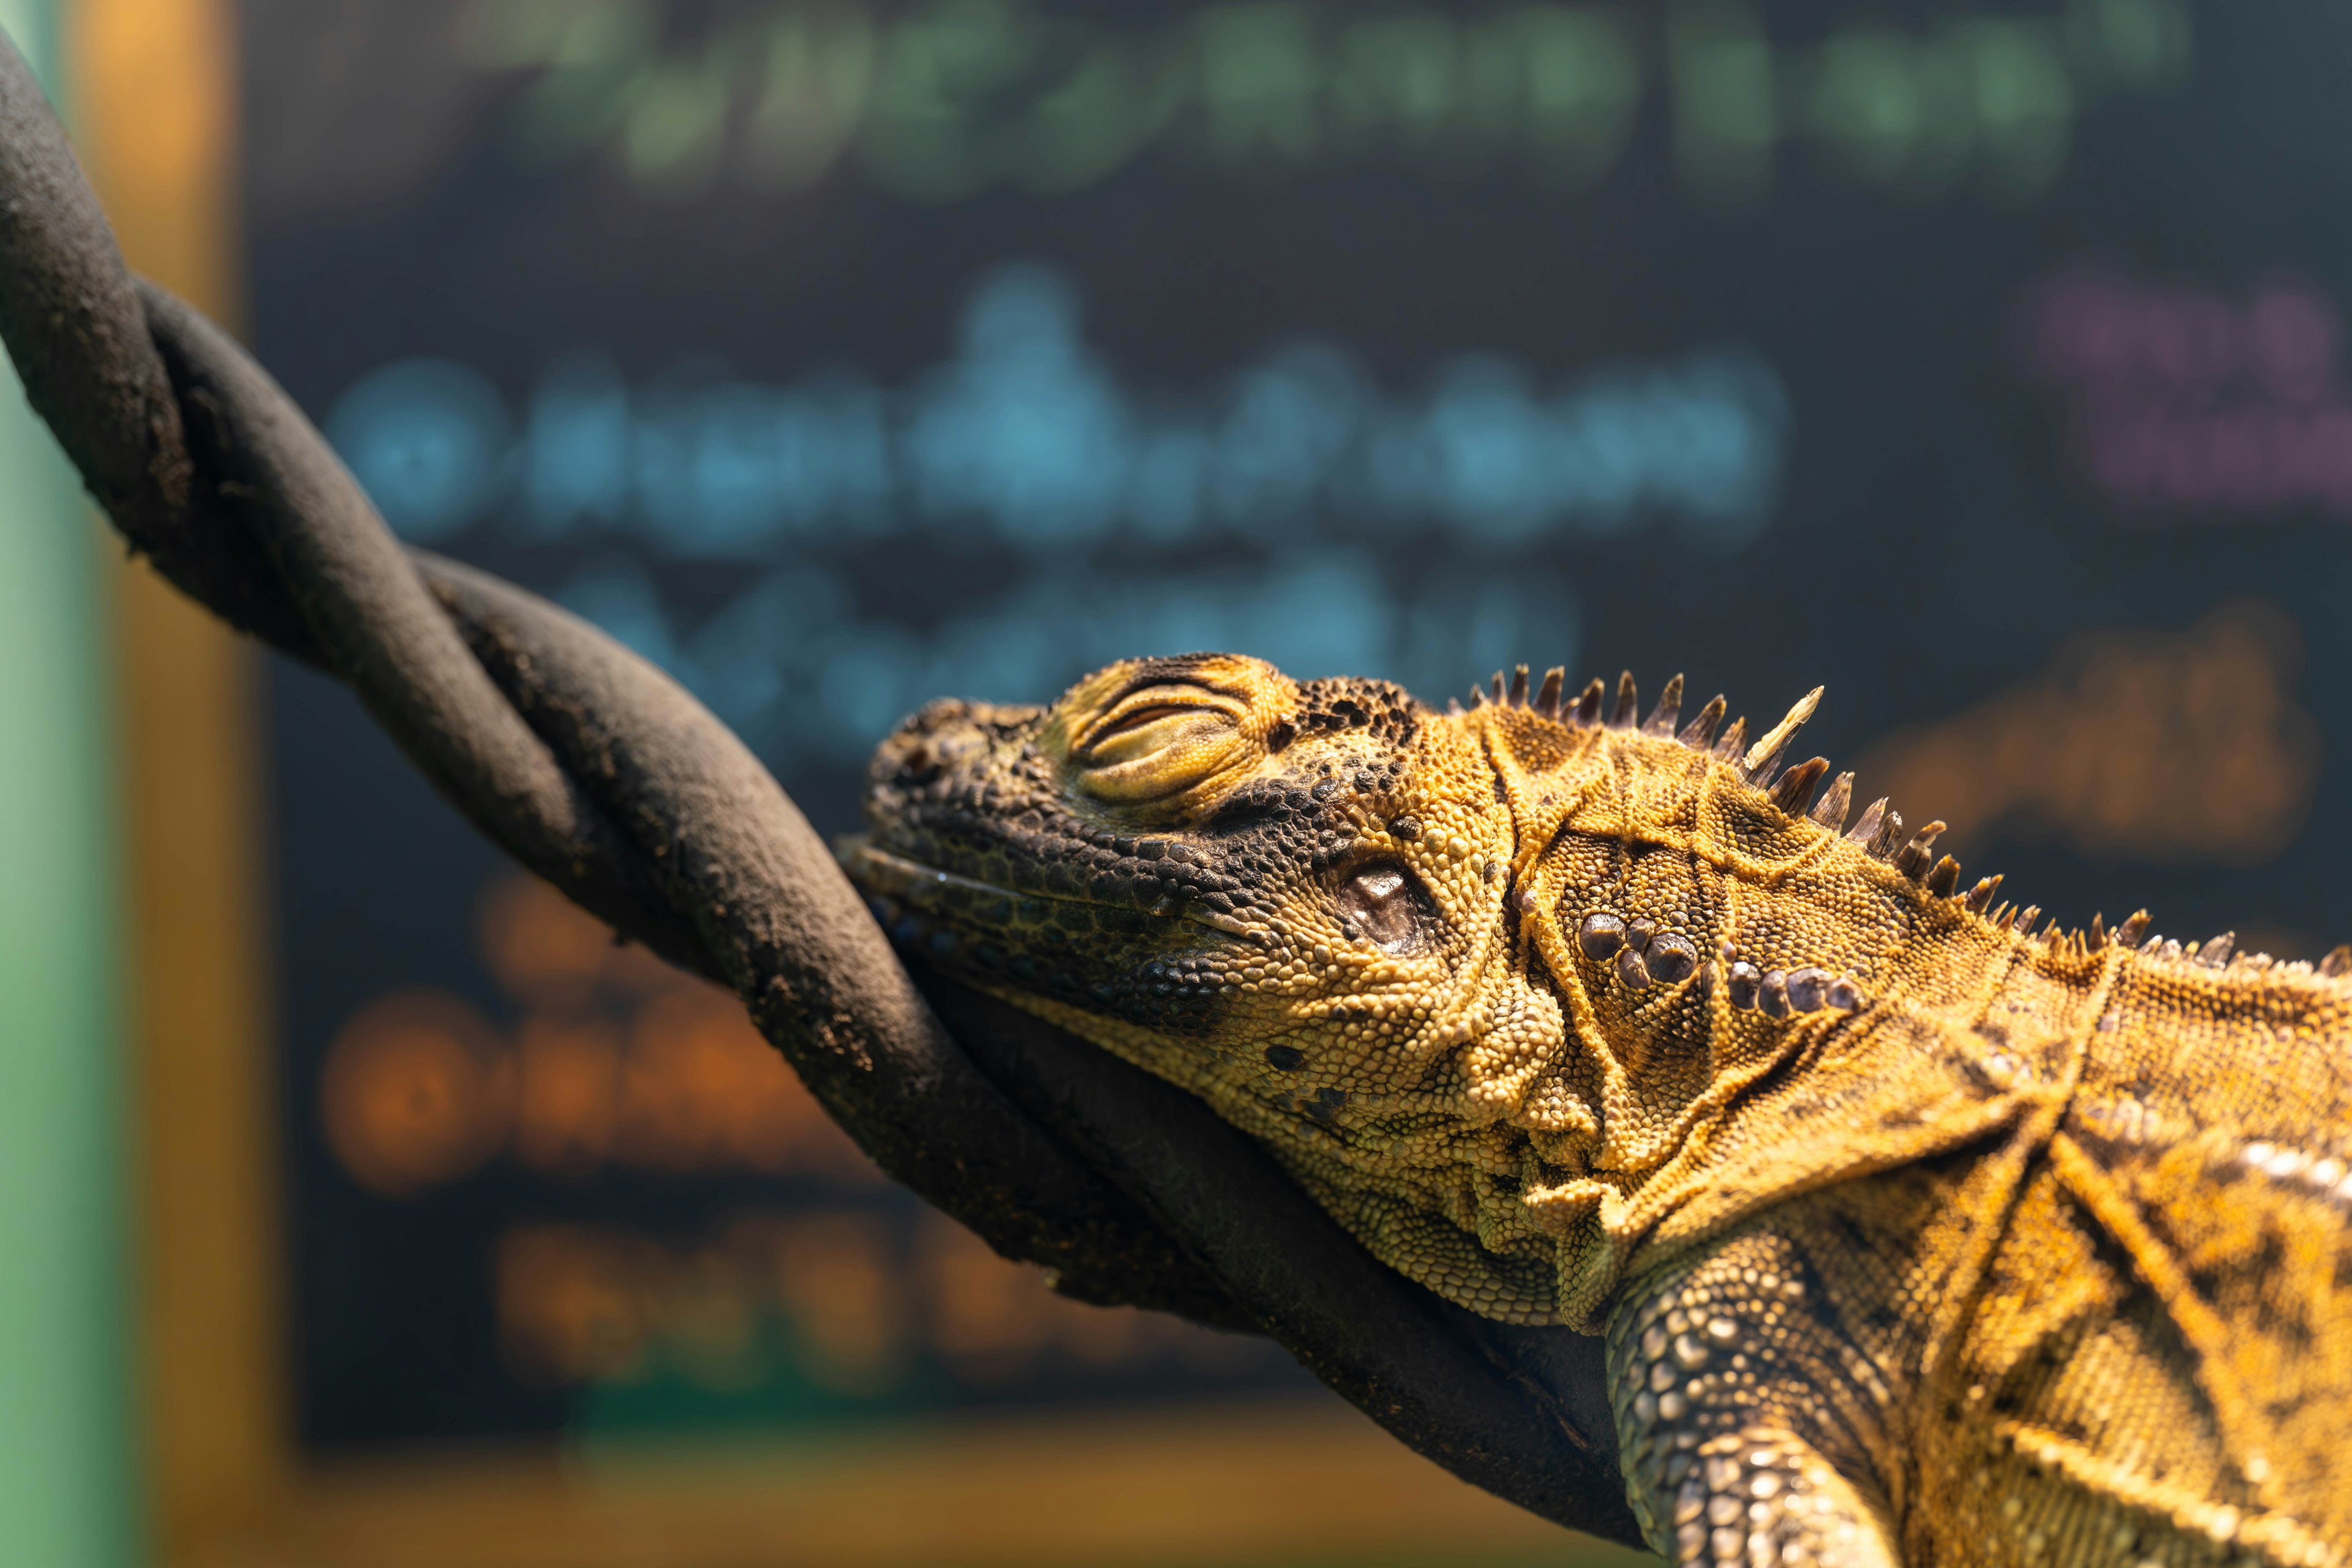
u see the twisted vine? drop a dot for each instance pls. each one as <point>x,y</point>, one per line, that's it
<point>592,769</point>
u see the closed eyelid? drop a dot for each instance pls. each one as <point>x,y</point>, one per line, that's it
<point>1164,700</point>
<point>1135,719</point>
<point>1152,748</point>
<point>1174,685</point>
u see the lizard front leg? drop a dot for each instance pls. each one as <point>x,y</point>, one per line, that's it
<point>1746,1419</point>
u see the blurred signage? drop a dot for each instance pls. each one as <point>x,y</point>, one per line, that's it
<point>780,1277</point>
<point>1029,435</point>
<point>1029,440</point>
<point>2183,403</point>
<point>2130,746</point>
<point>942,101</point>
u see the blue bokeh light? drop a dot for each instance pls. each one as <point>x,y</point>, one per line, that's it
<point>1025,438</point>
<point>1027,435</point>
<point>428,440</point>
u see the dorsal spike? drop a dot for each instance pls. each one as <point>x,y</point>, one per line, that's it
<point>2214,951</point>
<point>1547,699</point>
<point>1453,706</point>
<point>1795,789</point>
<point>1761,757</point>
<point>2025,919</point>
<point>1889,835</point>
<point>1867,829</point>
<point>1662,717</point>
<point>1727,748</point>
<point>1944,879</point>
<point>1588,703</point>
<point>2135,929</point>
<point>1915,858</point>
<point>2003,915</point>
<point>1835,802</point>
<point>1477,697</point>
<point>1698,733</point>
<point>1518,693</point>
<point>1980,896</point>
<point>2339,962</point>
<point>2096,938</point>
<point>1629,702</point>
<point>2155,942</point>
<point>1498,697</point>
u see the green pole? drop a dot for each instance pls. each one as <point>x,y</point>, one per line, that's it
<point>66,1497</point>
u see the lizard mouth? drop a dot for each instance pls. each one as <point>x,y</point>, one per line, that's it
<point>1038,942</point>
<point>950,895</point>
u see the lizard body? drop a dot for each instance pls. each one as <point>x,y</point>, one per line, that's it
<point>1915,1235</point>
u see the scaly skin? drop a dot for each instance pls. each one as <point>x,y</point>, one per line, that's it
<point>1917,1238</point>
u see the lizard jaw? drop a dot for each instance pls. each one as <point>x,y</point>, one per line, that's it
<point>969,923</point>
<point>877,871</point>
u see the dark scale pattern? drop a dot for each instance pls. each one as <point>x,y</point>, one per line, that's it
<point>1385,712</point>
<point>1918,1234</point>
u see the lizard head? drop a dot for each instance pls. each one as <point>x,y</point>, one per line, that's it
<point>1450,966</point>
<point>1171,848</point>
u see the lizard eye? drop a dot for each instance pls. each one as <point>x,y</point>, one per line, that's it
<point>1159,742</point>
<point>1142,731</point>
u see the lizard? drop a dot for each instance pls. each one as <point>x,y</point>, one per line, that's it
<point>1917,1232</point>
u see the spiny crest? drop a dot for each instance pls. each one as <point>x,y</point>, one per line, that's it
<point>2136,934</point>
<point>1878,834</point>
<point>2221,952</point>
<point>1880,831</point>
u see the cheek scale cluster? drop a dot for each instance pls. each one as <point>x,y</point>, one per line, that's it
<point>1641,955</point>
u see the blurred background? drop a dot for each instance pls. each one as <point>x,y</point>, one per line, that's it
<point>1980,359</point>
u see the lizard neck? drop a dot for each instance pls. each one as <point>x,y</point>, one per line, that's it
<point>1698,936</point>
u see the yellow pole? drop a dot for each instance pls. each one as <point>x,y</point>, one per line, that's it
<point>155,81</point>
